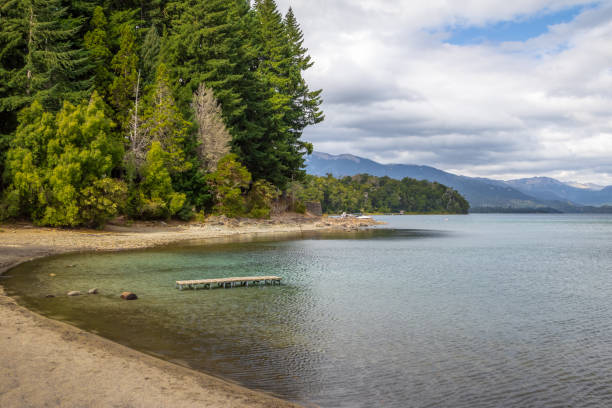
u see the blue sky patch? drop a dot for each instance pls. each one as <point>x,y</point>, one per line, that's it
<point>521,28</point>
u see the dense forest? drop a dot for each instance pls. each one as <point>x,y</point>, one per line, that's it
<point>365,193</point>
<point>151,109</point>
<point>163,109</point>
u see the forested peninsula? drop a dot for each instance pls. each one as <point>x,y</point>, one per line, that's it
<point>161,109</point>
<point>371,194</point>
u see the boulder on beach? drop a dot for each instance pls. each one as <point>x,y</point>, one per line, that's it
<point>129,296</point>
<point>74,293</point>
<point>93,291</point>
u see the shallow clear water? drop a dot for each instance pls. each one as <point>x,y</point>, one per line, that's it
<point>432,311</point>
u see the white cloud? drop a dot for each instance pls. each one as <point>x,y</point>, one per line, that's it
<point>396,92</point>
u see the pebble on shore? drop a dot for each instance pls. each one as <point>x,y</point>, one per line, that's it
<point>129,296</point>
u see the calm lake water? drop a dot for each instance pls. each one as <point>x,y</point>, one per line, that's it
<point>428,311</point>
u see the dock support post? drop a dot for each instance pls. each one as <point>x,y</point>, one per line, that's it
<point>227,283</point>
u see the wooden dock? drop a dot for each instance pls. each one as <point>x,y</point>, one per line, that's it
<point>228,282</point>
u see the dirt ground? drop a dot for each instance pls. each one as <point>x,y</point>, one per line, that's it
<point>46,363</point>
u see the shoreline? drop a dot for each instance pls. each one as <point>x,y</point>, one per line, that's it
<point>45,362</point>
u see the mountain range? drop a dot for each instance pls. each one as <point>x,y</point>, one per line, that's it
<point>541,194</point>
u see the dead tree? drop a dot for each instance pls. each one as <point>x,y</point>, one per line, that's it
<point>213,135</point>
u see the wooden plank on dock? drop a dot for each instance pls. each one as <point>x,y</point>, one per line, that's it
<point>228,281</point>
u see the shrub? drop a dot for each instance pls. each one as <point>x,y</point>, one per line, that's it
<point>227,183</point>
<point>260,199</point>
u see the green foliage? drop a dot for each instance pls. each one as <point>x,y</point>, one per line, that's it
<point>39,56</point>
<point>228,183</point>
<point>157,198</point>
<point>260,198</point>
<point>59,166</point>
<point>149,54</point>
<point>124,64</point>
<point>281,61</point>
<point>365,193</point>
<point>299,207</point>
<point>96,42</point>
<point>62,160</point>
<point>163,122</point>
<point>204,46</point>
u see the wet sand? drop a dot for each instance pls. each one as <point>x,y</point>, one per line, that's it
<point>47,363</point>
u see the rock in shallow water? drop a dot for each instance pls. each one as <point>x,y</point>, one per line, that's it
<point>50,296</point>
<point>129,296</point>
<point>93,291</point>
<point>74,293</point>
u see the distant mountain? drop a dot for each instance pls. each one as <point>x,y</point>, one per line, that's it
<point>545,188</point>
<point>478,192</point>
<point>588,186</point>
<point>540,194</point>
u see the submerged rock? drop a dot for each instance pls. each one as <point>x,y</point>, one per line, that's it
<point>74,293</point>
<point>93,291</point>
<point>50,296</point>
<point>129,296</point>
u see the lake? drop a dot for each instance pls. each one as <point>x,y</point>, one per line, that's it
<point>428,311</point>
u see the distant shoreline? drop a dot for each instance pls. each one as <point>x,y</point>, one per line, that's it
<point>43,360</point>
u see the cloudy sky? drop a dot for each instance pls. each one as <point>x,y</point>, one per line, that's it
<point>491,88</point>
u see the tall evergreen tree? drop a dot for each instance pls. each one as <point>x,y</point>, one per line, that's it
<point>164,123</point>
<point>123,88</point>
<point>305,104</point>
<point>274,56</point>
<point>210,43</point>
<point>44,61</point>
<point>11,59</point>
<point>204,47</point>
<point>146,12</point>
<point>281,61</point>
<point>96,42</point>
<point>149,54</point>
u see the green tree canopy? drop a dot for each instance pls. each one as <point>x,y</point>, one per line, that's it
<point>60,166</point>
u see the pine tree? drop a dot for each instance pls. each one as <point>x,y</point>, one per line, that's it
<point>149,55</point>
<point>204,46</point>
<point>275,59</point>
<point>304,103</point>
<point>147,12</point>
<point>96,42</point>
<point>39,56</point>
<point>11,59</point>
<point>279,67</point>
<point>124,64</point>
<point>162,122</point>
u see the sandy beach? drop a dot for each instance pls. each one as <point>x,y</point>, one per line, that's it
<point>47,363</point>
